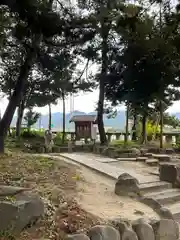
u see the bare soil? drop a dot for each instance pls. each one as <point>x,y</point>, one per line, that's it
<point>96,195</point>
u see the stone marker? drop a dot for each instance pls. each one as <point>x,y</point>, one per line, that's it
<point>143,230</point>
<point>100,232</point>
<point>127,185</point>
<point>77,237</point>
<point>166,229</point>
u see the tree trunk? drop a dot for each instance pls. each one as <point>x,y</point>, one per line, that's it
<point>127,125</point>
<point>17,94</point>
<point>161,124</point>
<point>100,111</point>
<point>144,135</point>
<point>19,119</point>
<point>134,128</point>
<point>50,116</point>
<point>64,119</point>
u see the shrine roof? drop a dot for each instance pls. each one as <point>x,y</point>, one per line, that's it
<point>83,118</point>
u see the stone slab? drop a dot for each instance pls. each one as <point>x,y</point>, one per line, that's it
<point>126,159</point>
<point>152,162</point>
<point>162,157</point>
<point>141,159</point>
<point>90,160</point>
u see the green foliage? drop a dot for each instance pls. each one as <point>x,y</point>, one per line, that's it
<point>31,118</point>
<point>171,120</point>
<point>120,144</point>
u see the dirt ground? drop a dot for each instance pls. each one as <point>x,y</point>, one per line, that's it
<point>96,195</point>
<point>75,198</point>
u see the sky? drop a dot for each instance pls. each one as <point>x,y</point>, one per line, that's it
<point>84,102</point>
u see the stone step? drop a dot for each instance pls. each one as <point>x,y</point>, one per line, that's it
<point>141,159</point>
<point>175,210</point>
<point>126,159</point>
<point>162,157</point>
<point>166,196</point>
<point>154,186</point>
<point>152,162</point>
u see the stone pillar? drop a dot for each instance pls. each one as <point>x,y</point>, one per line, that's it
<point>118,135</point>
<point>122,137</point>
<point>169,139</point>
<point>174,140</point>
<point>70,147</point>
<point>129,137</point>
<point>109,137</point>
<point>164,139</point>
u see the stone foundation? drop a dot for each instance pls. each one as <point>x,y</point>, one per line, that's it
<point>164,229</point>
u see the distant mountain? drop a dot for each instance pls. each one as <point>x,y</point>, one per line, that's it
<point>57,120</point>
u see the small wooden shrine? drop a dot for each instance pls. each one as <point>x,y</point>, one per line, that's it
<point>83,125</point>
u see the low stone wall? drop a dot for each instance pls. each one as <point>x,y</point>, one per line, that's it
<point>164,229</point>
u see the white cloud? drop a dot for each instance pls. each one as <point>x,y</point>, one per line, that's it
<point>174,108</point>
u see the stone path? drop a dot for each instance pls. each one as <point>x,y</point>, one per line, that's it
<point>100,164</point>
<point>151,187</point>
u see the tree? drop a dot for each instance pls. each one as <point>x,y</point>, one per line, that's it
<point>103,15</point>
<point>31,118</point>
<point>35,23</point>
<point>146,63</point>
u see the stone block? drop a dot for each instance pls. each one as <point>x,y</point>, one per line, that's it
<point>168,172</point>
<point>162,157</point>
<point>141,159</point>
<point>127,185</point>
<point>40,149</point>
<point>143,151</point>
<point>136,151</point>
<point>56,149</point>
<point>143,230</point>
<point>152,162</point>
<point>19,211</point>
<point>154,150</point>
<point>101,232</point>
<point>127,159</point>
<point>77,237</point>
<point>170,150</point>
<point>11,190</point>
<point>127,233</point>
<point>166,229</point>
<point>148,155</point>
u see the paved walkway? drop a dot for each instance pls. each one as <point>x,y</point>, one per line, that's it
<point>96,163</point>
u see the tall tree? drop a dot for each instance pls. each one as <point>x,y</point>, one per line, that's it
<point>35,24</point>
